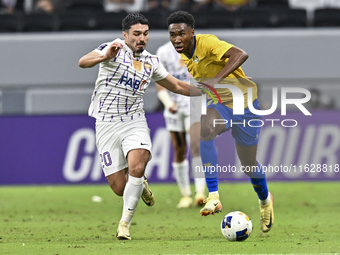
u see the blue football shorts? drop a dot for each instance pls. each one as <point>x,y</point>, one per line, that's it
<point>244,128</point>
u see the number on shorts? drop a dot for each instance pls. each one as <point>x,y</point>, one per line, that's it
<point>106,158</point>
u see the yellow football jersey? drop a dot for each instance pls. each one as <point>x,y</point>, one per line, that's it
<point>207,61</point>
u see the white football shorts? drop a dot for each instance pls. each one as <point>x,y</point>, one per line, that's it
<point>182,120</point>
<point>176,122</point>
<point>115,139</point>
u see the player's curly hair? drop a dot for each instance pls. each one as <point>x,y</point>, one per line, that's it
<point>181,17</point>
<point>132,19</point>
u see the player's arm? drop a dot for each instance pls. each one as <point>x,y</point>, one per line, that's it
<point>179,87</point>
<point>236,57</point>
<point>93,58</point>
<point>164,96</point>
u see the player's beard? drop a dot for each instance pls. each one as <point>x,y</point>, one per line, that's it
<point>136,49</point>
<point>140,48</point>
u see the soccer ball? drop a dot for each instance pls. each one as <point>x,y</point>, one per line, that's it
<point>236,226</point>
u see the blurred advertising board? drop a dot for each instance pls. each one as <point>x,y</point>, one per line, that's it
<point>61,149</point>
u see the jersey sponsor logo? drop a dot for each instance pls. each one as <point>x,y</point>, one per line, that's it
<point>133,83</point>
<point>141,86</point>
<point>101,47</point>
<point>195,59</point>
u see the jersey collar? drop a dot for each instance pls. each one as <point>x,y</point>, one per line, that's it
<point>193,50</point>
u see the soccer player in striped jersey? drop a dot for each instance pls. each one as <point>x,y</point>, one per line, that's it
<point>122,134</point>
<point>216,61</point>
<point>179,122</point>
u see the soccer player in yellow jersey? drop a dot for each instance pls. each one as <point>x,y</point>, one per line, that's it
<point>218,62</point>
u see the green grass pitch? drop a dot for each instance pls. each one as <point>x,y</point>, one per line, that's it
<point>64,220</point>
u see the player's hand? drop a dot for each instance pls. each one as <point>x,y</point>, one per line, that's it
<point>113,50</point>
<point>173,109</point>
<point>208,84</point>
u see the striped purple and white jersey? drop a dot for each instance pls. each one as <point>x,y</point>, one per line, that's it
<point>174,64</point>
<point>121,83</point>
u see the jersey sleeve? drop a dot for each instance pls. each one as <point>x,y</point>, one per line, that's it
<point>218,47</point>
<point>102,49</point>
<point>160,72</point>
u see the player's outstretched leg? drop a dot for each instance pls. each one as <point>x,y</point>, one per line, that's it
<point>147,195</point>
<point>258,179</point>
<point>210,161</point>
<point>253,169</point>
<point>131,196</point>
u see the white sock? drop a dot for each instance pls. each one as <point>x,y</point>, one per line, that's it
<point>214,192</point>
<point>200,183</point>
<point>181,171</point>
<point>132,192</point>
<point>264,202</point>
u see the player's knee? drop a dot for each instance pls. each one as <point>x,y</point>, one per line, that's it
<point>208,128</point>
<point>137,170</point>
<point>207,132</point>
